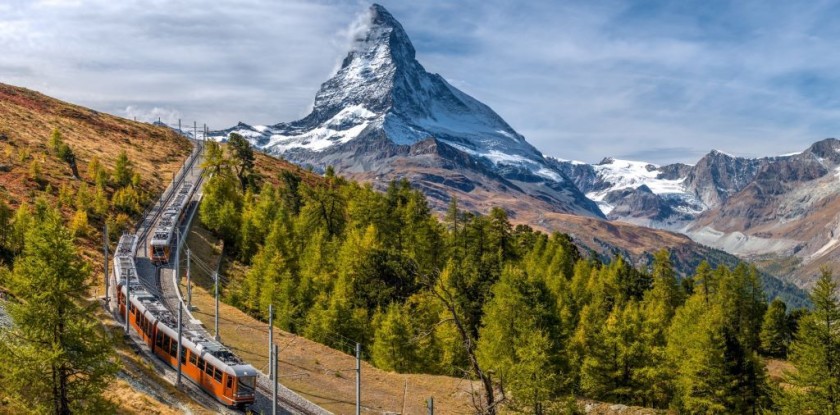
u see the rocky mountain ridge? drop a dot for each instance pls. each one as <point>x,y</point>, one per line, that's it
<point>773,209</point>
<point>383,117</point>
<point>383,114</point>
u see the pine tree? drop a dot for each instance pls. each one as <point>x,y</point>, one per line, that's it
<point>5,224</point>
<point>611,367</point>
<point>243,156</point>
<point>94,168</point>
<point>775,336</point>
<point>79,226</point>
<point>393,347</point>
<point>21,223</point>
<point>55,140</point>
<point>221,207</point>
<point>55,358</point>
<point>815,385</point>
<point>521,308</point>
<point>659,306</point>
<point>697,345</point>
<point>122,170</point>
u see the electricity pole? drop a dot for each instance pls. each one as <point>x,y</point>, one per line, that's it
<point>270,335</point>
<point>430,404</point>
<point>275,363</point>
<point>358,379</point>
<point>189,284</point>
<point>107,282</point>
<point>216,277</point>
<point>180,349</point>
<point>127,283</point>
<point>195,130</point>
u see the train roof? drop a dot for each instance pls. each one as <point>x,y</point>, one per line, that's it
<point>162,234</point>
<point>149,305</point>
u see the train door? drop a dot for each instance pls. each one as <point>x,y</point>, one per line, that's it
<point>228,385</point>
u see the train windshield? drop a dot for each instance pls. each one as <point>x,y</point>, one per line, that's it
<point>245,385</point>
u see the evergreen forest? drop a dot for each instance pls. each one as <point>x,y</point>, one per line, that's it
<point>524,314</point>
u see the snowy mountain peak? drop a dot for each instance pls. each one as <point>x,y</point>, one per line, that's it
<point>382,102</point>
<point>381,85</point>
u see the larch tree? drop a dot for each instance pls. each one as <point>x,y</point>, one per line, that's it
<point>775,334</point>
<point>57,359</point>
<point>123,170</point>
<point>243,158</point>
<point>697,345</point>
<point>815,384</point>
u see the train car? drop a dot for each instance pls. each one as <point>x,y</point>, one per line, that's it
<point>206,362</point>
<point>163,234</point>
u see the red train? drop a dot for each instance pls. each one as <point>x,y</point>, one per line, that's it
<point>206,362</point>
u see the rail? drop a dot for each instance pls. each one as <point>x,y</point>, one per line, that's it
<point>147,221</point>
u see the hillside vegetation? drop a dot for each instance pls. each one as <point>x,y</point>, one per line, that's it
<point>83,169</point>
<point>523,313</point>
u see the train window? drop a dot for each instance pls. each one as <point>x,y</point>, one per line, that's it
<point>208,368</point>
<point>165,345</point>
<point>229,382</point>
<point>159,339</point>
<point>245,385</point>
<point>200,364</point>
<point>218,375</point>
<point>193,360</point>
<point>173,348</point>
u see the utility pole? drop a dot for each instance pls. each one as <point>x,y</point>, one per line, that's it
<point>430,405</point>
<point>216,277</point>
<point>270,335</point>
<point>107,282</point>
<point>127,298</point>
<point>180,349</point>
<point>195,130</point>
<point>358,378</point>
<point>275,364</point>
<point>205,132</point>
<point>189,284</point>
<point>179,126</point>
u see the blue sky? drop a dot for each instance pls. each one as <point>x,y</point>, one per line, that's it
<point>648,80</point>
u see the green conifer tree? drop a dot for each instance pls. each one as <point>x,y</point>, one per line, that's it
<point>56,358</point>
<point>815,385</point>
<point>775,336</point>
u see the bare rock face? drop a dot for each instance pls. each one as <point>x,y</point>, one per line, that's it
<point>383,117</point>
<point>780,210</point>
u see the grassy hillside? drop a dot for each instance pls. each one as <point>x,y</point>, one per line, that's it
<point>27,121</point>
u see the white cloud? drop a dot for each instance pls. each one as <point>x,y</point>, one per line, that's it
<point>581,80</point>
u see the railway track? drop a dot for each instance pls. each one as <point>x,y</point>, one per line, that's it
<point>160,280</point>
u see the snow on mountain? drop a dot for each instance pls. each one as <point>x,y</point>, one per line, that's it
<point>624,174</point>
<point>382,103</point>
<point>636,191</point>
<point>380,84</point>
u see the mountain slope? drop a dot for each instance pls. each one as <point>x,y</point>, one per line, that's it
<point>782,211</point>
<point>27,119</point>
<point>383,115</point>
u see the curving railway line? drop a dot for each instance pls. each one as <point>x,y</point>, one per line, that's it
<point>144,267</point>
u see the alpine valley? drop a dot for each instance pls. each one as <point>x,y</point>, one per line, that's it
<point>383,117</point>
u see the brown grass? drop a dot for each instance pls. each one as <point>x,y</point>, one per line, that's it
<point>27,119</point>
